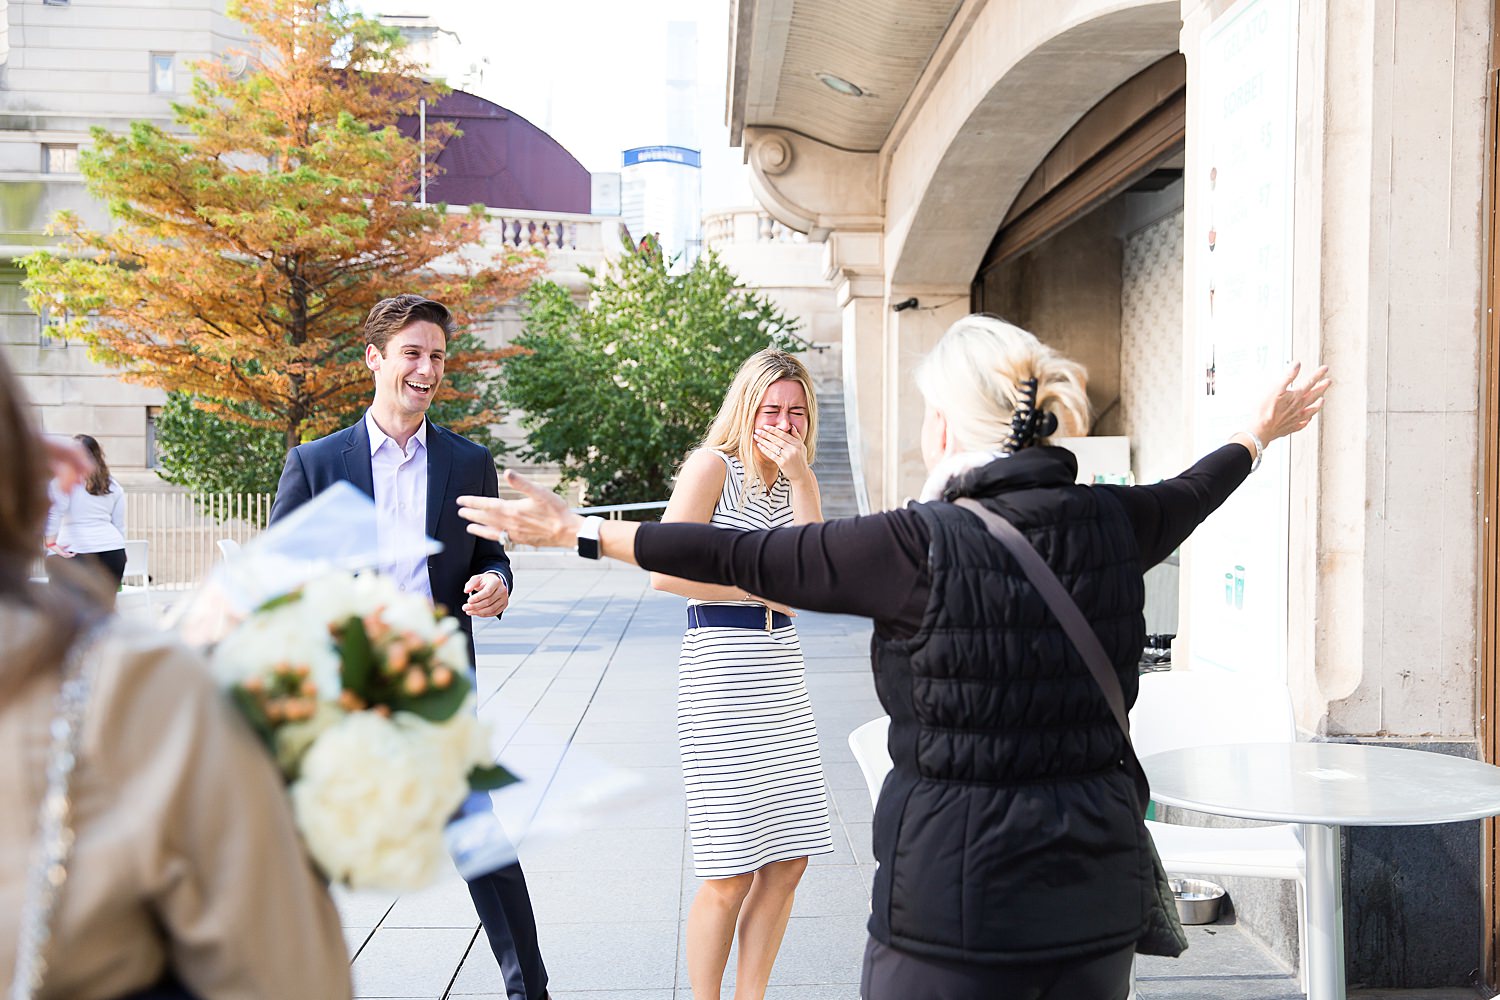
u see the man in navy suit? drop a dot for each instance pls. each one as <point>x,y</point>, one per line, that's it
<point>415,471</point>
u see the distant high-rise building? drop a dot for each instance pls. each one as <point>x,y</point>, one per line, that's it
<point>661,190</point>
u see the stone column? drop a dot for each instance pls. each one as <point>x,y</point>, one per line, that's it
<point>910,334</point>
<point>852,266</point>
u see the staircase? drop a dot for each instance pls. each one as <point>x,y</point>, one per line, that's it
<point>832,467</point>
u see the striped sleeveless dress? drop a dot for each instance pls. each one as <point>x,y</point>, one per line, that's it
<point>750,761</point>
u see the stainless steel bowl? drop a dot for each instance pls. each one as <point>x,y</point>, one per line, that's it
<point>1197,901</point>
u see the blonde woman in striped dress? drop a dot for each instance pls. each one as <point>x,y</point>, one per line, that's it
<point>750,762</point>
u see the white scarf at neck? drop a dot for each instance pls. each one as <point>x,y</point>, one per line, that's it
<point>952,466</point>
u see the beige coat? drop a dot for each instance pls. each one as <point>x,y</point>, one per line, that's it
<point>185,856</point>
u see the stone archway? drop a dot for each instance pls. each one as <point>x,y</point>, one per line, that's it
<point>953,176</point>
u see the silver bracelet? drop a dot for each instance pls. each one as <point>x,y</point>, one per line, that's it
<point>1260,449</point>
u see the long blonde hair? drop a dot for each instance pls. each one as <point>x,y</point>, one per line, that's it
<point>733,430</point>
<point>976,374</point>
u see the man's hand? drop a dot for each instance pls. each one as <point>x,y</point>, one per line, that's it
<point>488,595</point>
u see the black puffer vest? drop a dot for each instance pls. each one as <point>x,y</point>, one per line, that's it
<point>1008,830</point>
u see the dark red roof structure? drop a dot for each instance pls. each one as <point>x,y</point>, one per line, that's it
<point>501,160</point>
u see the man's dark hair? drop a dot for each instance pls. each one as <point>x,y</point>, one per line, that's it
<point>391,316</point>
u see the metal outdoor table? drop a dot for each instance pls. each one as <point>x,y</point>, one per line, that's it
<point>1325,787</point>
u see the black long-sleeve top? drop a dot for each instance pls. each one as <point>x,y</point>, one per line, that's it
<point>876,566</point>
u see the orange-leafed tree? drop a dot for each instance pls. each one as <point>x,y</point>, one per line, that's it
<point>249,242</point>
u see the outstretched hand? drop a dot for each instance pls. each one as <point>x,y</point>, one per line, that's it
<point>1290,407</point>
<point>540,517</point>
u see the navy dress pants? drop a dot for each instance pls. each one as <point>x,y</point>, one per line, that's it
<point>504,908</point>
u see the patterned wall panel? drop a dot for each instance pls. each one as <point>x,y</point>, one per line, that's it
<point>1151,350</point>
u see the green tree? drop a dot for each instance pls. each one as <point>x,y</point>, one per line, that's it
<point>250,241</point>
<point>617,391</point>
<point>200,448</point>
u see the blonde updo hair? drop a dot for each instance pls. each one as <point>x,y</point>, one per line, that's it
<point>733,430</point>
<point>974,378</point>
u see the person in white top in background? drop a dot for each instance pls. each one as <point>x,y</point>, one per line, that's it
<point>88,520</point>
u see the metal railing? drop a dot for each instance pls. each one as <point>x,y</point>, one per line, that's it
<point>614,511</point>
<point>182,531</point>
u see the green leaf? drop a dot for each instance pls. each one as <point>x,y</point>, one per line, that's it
<point>357,658</point>
<point>434,704</point>
<point>250,708</point>
<point>279,601</point>
<point>487,779</point>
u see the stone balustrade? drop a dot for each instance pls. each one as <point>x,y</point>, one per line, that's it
<point>746,225</point>
<point>553,231</point>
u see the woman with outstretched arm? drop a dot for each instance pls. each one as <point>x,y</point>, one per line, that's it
<point>1013,856</point>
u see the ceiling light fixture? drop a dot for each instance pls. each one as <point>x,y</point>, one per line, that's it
<point>840,85</point>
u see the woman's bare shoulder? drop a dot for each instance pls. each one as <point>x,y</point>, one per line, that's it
<point>705,463</point>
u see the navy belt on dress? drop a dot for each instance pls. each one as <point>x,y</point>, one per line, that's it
<point>735,616</point>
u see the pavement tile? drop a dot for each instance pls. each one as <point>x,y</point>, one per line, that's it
<point>355,938</point>
<point>446,904</point>
<point>639,955</point>
<point>822,951</point>
<point>590,731</point>
<point>620,896</point>
<point>410,962</point>
<point>832,891</point>
<point>361,909</point>
<point>859,840</point>
<point>602,850</point>
<point>854,805</point>
<point>661,754</point>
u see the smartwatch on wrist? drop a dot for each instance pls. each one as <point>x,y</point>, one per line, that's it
<point>588,537</point>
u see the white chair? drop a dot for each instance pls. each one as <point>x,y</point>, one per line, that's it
<point>1187,708</point>
<point>869,745</point>
<point>229,549</point>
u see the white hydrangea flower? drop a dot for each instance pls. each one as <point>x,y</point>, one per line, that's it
<point>293,634</point>
<point>374,796</point>
<point>466,741</point>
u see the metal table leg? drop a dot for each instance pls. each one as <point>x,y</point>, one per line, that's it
<point>1325,913</point>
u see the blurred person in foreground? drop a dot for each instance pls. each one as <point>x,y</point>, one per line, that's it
<point>185,876</point>
<point>87,518</point>
<point>1013,857</point>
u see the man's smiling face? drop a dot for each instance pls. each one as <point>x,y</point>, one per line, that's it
<point>408,372</point>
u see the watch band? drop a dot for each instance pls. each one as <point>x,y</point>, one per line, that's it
<point>588,537</point>
<point>1260,449</point>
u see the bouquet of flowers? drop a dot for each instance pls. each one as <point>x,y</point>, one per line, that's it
<point>360,690</point>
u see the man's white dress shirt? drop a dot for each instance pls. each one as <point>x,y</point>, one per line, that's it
<point>400,480</point>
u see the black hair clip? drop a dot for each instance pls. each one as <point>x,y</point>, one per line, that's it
<point>1028,423</point>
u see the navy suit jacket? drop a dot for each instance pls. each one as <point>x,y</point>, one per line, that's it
<point>456,467</point>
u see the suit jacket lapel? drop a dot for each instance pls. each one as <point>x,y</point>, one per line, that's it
<point>439,462</point>
<point>357,468</point>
